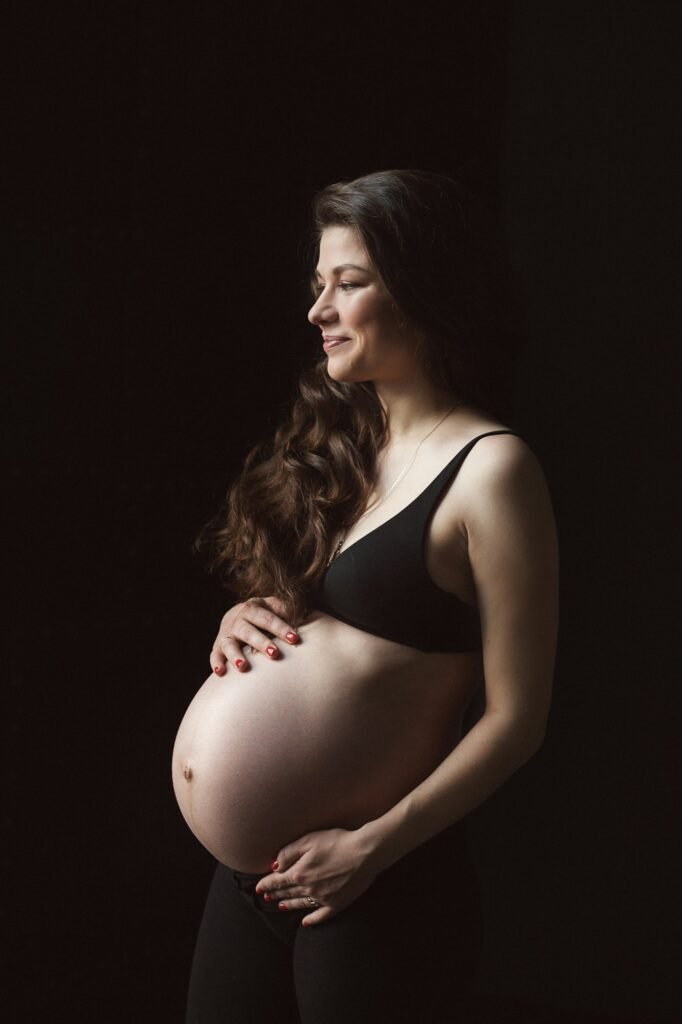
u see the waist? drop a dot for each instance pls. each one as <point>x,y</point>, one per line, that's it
<point>449,846</point>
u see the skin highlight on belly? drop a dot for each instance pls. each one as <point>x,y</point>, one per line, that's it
<point>331,735</point>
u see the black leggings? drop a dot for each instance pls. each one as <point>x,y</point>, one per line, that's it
<point>404,951</point>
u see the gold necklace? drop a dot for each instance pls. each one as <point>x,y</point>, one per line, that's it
<point>392,487</point>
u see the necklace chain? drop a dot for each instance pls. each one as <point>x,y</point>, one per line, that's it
<point>392,487</point>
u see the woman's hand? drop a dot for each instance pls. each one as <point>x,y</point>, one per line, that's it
<point>333,866</point>
<point>240,625</point>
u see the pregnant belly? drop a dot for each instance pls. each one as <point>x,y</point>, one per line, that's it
<point>311,741</point>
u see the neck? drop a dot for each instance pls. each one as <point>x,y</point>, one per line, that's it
<point>412,409</point>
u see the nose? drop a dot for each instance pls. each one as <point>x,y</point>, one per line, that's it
<point>321,312</point>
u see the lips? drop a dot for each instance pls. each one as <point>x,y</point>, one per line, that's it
<point>330,341</point>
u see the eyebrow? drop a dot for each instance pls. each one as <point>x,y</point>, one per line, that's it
<point>344,266</point>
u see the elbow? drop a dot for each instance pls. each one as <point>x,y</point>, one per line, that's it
<point>523,737</point>
<point>536,746</point>
<point>535,741</point>
<point>526,742</point>
<point>532,729</point>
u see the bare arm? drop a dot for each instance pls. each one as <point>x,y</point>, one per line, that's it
<point>514,557</point>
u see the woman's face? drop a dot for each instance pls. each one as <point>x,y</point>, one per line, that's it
<point>353,303</point>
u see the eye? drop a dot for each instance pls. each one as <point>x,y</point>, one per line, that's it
<point>345,285</point>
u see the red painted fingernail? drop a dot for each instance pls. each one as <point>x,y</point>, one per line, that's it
<point>272,651</point>
<point>306,923</point>
<point>267,897</point>
<point>239,662</point>
<point>292,637</point>
<point>218,670</point>
<point>274,865</point>
<point>281,906</point>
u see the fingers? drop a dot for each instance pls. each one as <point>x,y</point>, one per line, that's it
<point>290,894</point>
<point>218,661</point>
<point>255,616</point>
<point>240,626</point>
<point>323,914</point>
<point>275,624</point>
<point>292,897</point>
<point>225,647</point>
<point>225,650</point>
<point>316,913</point>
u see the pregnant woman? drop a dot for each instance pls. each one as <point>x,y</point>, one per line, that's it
<point>394,552</point>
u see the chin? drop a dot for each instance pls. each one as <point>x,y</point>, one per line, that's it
<point>351,377</point>
<point>348,372</point>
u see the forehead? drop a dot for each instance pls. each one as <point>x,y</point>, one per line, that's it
<point>340,244</point>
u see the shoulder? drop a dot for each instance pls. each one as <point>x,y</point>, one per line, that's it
<point>505,504</point>
<point>499,483</point>
<point>499,465</point>
<point>492,452</point>
<point>490,464</point>
<point>501,498</point>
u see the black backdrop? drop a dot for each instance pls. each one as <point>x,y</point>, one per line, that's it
<point>163,160</point>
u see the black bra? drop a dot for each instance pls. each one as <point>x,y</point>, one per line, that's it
<point>380,583</point>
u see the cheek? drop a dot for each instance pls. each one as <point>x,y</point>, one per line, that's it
<point>367,311</point>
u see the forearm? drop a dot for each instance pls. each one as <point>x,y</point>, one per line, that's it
<point>485,758</point>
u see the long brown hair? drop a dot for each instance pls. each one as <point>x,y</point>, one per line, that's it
<point>438,254</point>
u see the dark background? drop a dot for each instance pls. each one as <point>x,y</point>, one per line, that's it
<point>163,160</point>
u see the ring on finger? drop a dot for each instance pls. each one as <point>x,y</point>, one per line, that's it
<point>308,899</point>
